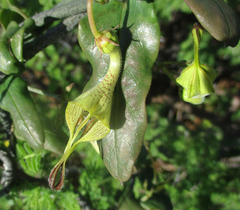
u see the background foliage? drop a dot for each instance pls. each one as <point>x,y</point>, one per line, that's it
<point>190,158</point>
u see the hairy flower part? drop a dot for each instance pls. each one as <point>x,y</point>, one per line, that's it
<point>88,116</point>
<point>197,78</point>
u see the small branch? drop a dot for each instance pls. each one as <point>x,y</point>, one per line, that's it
<point>41,92</point>
<point>91,19</point>
<point>231,162</point>
<point>30,49</point>
<point>63,10</point>
<point>70,11</point>
<point>17,10</point>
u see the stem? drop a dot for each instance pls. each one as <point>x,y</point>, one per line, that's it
<point>197,33</point>
<point>17,10</point>
<point>169,74</point>
<point>61,11</point>
<point>91,19</point>
<point>196,53</point>
<point>44,93</point>
<point>154,181</point>
<point>178,63</point>
<point>30,49</point>
<point>71,12</point>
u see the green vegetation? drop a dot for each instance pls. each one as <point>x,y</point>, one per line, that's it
<point>190,155</point>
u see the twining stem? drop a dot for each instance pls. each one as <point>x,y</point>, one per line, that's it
<point>41,92</point>
<point>17,10</point>
<point>196,38</point>
<point>94,30</point>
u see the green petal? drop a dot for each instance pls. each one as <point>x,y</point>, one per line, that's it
<point>97,101</point>
<point>206,77</point>
<point>189,80</point>
<point>197,80</point>
<point>211,72</point>
<point>72,114</point>
<point>194,83</point>
<point>95,132</point>
<point>194,100</point>
<point>185,76</point>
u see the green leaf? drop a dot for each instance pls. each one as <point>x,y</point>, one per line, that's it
<point>15,98</point>
<point>28,159</point>
<point>11,30</point>
<point>129,203</point>
<point>128,200</point>
<point>55,138</point>
<point>17,39</point>
<point>17,44</point>
<point>159,201</point>
<point>62,10</point>
<point>12,5</point>
<point>218,19</point>
<point>68,200</point>
<point>139,36</point>
<point>7,4</point>
<point>38,198</point>
<point>6,16</point>
<point>8,63</point>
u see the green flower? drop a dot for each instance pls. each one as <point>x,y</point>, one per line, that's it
<point>88,116</point>
<point>197,78</point>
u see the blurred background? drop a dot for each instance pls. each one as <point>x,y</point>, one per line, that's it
<point>190,158</point>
